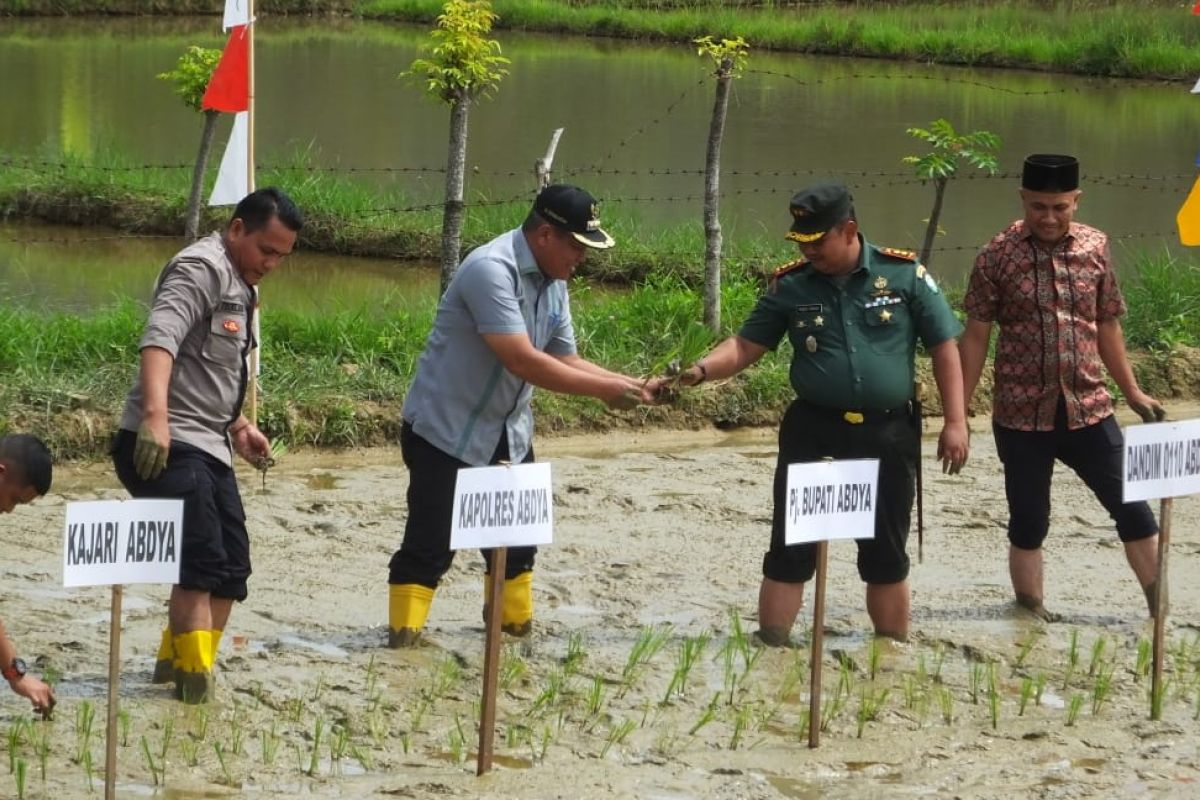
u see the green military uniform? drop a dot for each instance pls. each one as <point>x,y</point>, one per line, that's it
<point>854,343</point>
<point>854,337</point>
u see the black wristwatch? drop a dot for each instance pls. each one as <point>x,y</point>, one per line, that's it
<point>14,671</point>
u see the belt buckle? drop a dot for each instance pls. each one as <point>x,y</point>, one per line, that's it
<point>853,417</point>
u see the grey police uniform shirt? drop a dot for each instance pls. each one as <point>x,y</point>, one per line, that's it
<point>201,314</point>
<point>462,398</point>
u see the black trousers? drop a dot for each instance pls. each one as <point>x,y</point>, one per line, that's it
<point>810,434</point>
<point>1094,453</point>
<point>425,555</point>
<point>215,554</point>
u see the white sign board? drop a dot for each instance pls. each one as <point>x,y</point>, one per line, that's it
<point>506,506</point>
<point>122,541</point>
<point>1162,459</point>
<point>831,500</point>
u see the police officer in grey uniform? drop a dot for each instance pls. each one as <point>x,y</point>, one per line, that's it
<point>503,327</point>
<point>853,313</point>
<point>182,422</point>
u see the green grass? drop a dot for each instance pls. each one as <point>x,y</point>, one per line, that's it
<point>338,379</point>
<point>1137,38</point>
<point>345,215</point>
<point>1153,38</point>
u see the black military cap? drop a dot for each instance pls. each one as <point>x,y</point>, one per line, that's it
<point>1045,172</point>
<point>574,210</point>
<point>818,208</point>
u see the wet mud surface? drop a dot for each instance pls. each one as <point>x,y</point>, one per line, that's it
<point>656,562</point>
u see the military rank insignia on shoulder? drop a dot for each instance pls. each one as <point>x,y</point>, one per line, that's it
<point>907,255</point>
<point>791,266</point>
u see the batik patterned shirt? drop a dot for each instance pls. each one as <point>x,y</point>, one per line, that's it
<point>1048,303</point>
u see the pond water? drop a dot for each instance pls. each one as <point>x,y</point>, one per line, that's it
<point>636,119</point>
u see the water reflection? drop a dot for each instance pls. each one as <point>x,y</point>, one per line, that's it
<point>331,91</point>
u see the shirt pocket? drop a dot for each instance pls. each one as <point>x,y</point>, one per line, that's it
<point>807,324</point>
<point>887,325</point>
<point>226,341</point>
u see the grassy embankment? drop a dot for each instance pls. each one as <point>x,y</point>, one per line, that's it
<point>338,379</point>
<point>1136,38</point>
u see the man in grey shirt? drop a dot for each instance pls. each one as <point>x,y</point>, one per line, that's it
<point>503,327</point>
<point>183,421</point>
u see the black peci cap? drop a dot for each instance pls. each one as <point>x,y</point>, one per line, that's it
<point>1046,172</point>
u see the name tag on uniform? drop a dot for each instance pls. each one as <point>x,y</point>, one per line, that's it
<point>236,308</point>
<point>808,308</point>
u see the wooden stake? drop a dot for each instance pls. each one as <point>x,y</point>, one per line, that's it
<point>919,411</point>
<point>491,662</point>
<point>818,643</point>
<point>114,688</point>
<point>1160,607</point>
<point>252,367</point>
<point>541,167</point>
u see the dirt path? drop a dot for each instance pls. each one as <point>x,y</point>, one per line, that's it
<point>664,530</point>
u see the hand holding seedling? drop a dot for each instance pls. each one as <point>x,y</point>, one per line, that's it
<point>39,693</point>
<point>249,442</point>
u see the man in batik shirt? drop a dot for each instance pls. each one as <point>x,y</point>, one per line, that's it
<point>1049,283</point>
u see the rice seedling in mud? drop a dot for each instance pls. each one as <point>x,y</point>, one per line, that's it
<point>456,741</point>
<point>833,706</point>
<point>512,669</point>
<point>1025,647</point>
<point>20,773</point>
<point>1025,696</point>
<point>707,715</point>
<point>993,696</point>
<point>1072,658</point>
<point>647,645</point>
<point>269,744</point>
<point>576,653</point>
<point>1097,659</point>
<point>89,771</point>
<point>870,705</point>
<point>1039,686</point>
<point>314,761</point>
<point>946,705</point>
<point>41,749</point>
<point>1102,687</point>
<point>690,651</point>
<point>189,749</point>
<point>219,749</point>
<point>157,768</point>
<point>976,682</point>
<point>617,734</point>
<point>1073,707</point>
<point>1144,656</point>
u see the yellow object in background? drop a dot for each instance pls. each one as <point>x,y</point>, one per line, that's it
<point>1188,218</point>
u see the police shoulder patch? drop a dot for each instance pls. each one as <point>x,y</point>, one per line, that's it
<point>907,255</point>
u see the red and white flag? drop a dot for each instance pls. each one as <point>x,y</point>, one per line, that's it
<point>229,90</point>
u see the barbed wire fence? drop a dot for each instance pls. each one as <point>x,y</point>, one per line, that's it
<point>374,220</point>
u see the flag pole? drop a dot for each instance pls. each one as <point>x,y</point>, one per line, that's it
<point>252,390</point>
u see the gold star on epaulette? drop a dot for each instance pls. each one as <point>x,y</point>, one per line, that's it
<point>907,255</point>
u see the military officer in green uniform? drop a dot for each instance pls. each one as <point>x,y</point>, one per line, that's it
<point>853,313</point>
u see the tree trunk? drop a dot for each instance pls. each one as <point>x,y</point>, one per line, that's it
<point>939,191</point>
<point>191,224</point>
<point>453,211</point>
<point>712,190</point>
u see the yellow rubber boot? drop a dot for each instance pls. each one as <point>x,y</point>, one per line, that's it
<point>164,662</point>
<point>516,605</point>
<point>408,608</point>
<point>193,666</point>
<point>216,644</point>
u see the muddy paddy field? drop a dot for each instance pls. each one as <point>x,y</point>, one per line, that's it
<point>640,680</point>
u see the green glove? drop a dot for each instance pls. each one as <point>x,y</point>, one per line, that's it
<point>149,457</point>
